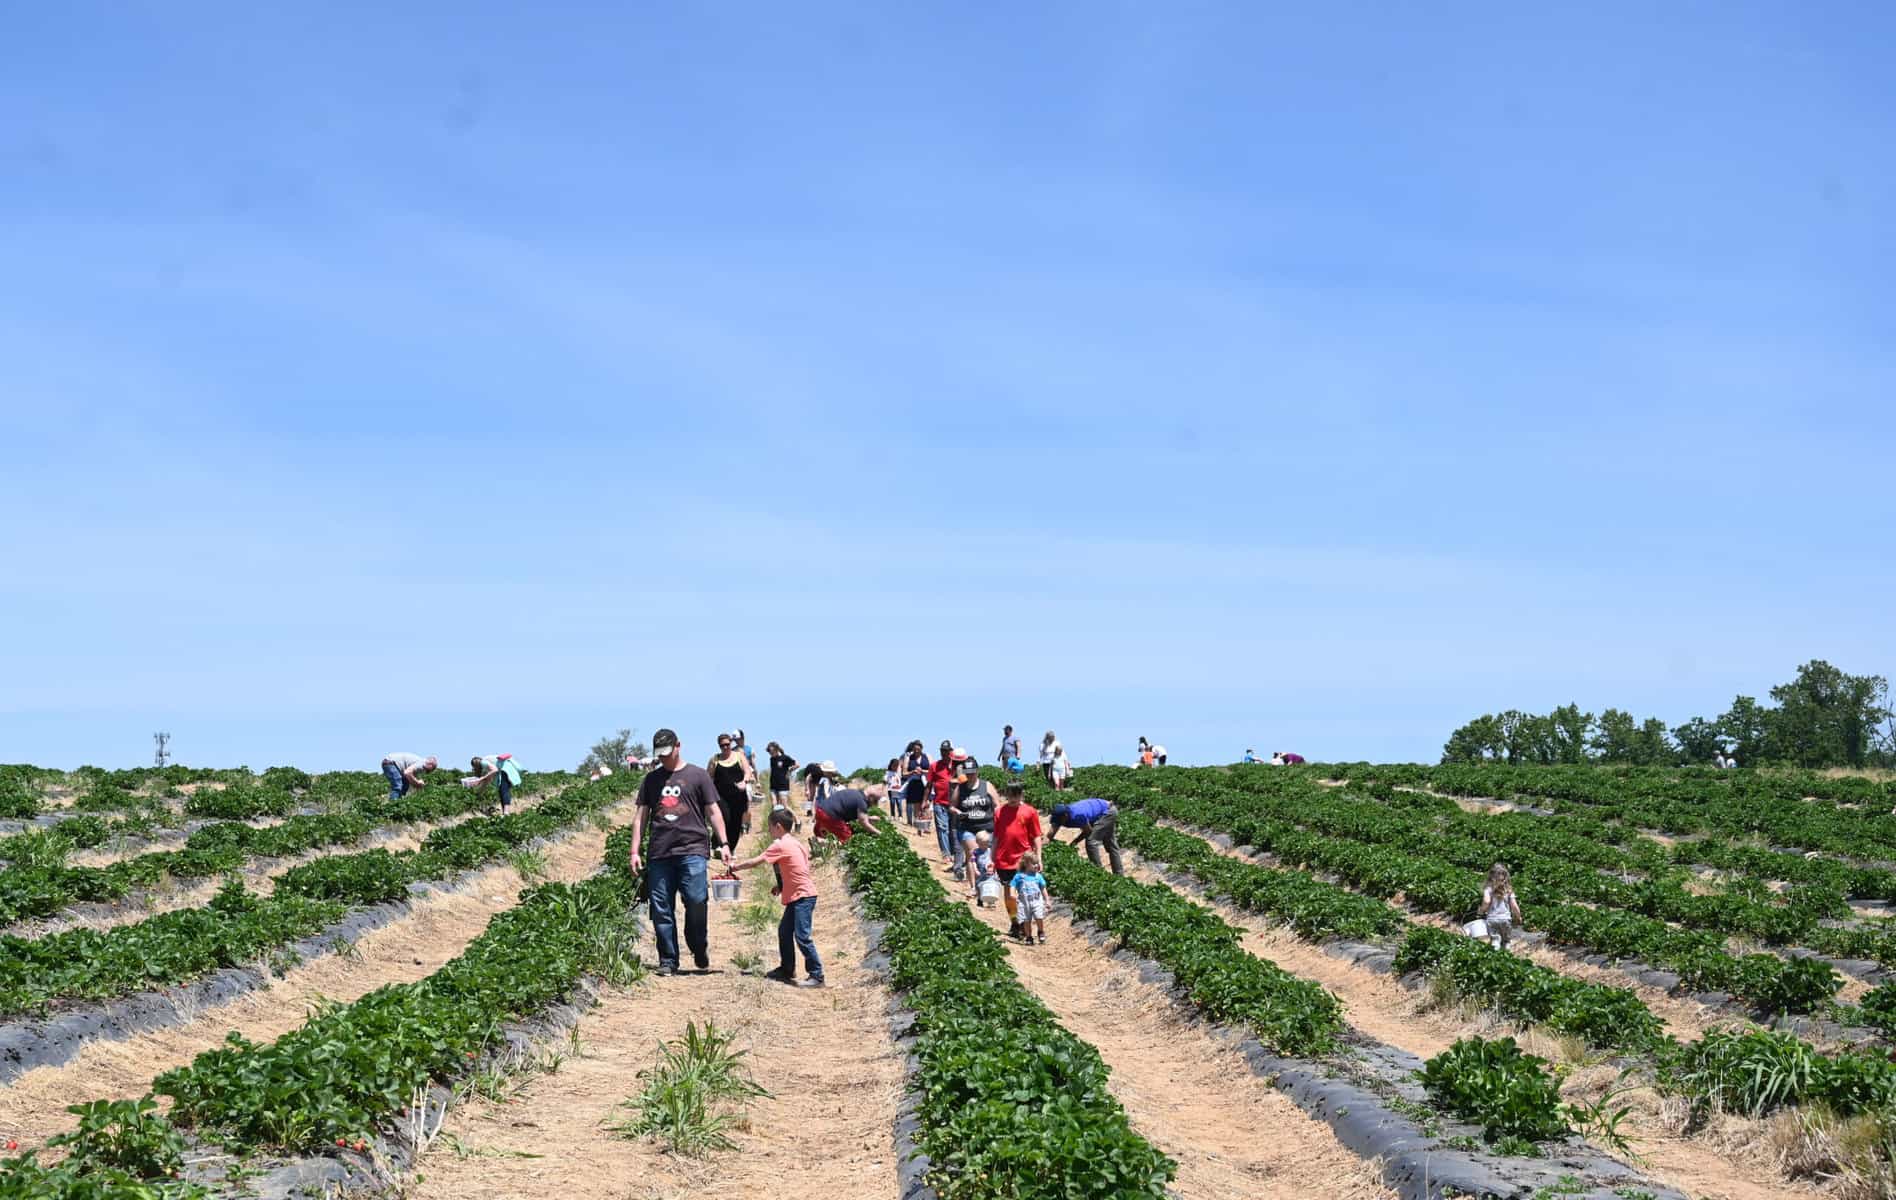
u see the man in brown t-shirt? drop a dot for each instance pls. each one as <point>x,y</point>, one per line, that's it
<point>679,803</point>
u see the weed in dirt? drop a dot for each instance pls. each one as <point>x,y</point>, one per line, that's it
<point>463,1150</point>
<point>747,961</point>
<point>756,914</point>
<point>697,1092</point>
<point>342,947</point>
<point>614,952</point>
<point>528,862</point>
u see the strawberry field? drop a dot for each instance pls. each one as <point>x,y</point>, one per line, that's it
<point>278,984</point>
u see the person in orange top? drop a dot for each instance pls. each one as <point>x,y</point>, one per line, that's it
<point>797,891</point>
<point>1016,835</point>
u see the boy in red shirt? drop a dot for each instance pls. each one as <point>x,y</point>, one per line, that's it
<point>1016,834</point>
<point>798,894</point>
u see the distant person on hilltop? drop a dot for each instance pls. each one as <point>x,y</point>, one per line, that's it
<point>404,771</point>
<point>1062,769</point>
<point>1010,745</point>
<point>1277,758</point>
<point>679,803</point>
<point>1048,745</point>
<point>1158,754</point>
<point>781,765</point>
<point>1292,759</point>
<point>1250,755</point>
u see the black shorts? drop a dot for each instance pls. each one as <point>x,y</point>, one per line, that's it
<point>1005,875</point>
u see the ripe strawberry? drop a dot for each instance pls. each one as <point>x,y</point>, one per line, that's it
<point>343,1142</point>
<point>362,1147</point>
<point>12,1145</point>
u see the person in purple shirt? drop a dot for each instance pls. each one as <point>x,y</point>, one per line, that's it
<point>1098,823</point>
<point>1293,758</point>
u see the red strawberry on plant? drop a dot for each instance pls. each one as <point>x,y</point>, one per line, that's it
<point>343,1142</point>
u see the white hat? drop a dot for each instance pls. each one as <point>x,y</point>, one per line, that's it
<point>828,765</point>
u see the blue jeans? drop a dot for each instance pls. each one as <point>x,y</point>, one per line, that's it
<point>397,784</point>
<point>795,925</point>
<point>667,878</point>
<point>505,788</point>
<point>944,832</point>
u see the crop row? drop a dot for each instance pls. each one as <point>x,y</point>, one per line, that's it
<point>40,884</point>
<point>1344,838</point>
<point>238,925</point>
<point>1010,1103</point>
<point>1555,865</point>
<point>1532,994</point>
<point>1753,1072</point>
<point>1854,819</point>
<point>1204,952</point>
<point>353,1067</point>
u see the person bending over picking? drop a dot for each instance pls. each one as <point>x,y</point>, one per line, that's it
<point>797,891</point>
<point>836,808</point>
<point>1030,892</point>
<point>404,771</point>
<point>679,804</point>
<point>505,773</point>
<point>1098,824</point>
<point>1498,906</point>
<point>1016,834</point>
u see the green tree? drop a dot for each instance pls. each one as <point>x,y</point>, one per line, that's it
<point>611,752</point>
<point>1617,738</point>
<point>1570,730</point>
<point>1699,740</point>
<point>1479,739</point>
<point>1827,717</point>
<point>1652,747</point>
<point>1747,726</point>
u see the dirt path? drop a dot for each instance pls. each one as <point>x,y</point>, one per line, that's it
<point>835,1075</point>
<point>1233,1135</point>
<point>32,1108</point>
<point>1382,1008</point>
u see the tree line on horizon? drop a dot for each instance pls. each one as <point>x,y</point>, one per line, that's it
<point>1825,717</point>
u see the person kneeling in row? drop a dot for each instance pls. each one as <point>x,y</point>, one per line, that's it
<point>797,893</point>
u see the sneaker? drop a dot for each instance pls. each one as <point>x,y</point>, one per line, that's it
<point>666,969</point>
<point>813,981</point>
<point>1042,939</point>
<point>779,975</point>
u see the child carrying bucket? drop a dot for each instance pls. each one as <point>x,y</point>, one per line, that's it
<point>797,892</point>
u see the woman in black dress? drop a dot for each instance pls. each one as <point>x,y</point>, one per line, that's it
<point>730,772</point>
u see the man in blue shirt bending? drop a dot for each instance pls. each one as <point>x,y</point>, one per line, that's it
<point>1098,823</point>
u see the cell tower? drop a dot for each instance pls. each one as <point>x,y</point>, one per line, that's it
<point>163,754</point>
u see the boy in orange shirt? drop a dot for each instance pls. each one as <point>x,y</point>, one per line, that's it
<point>797,891</point>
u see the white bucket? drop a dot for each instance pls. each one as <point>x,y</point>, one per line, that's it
<point>1478,929</point>
<point>726,889</point>
<point>990,889</point>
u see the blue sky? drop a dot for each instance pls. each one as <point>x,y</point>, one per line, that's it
<point>455,378</point>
